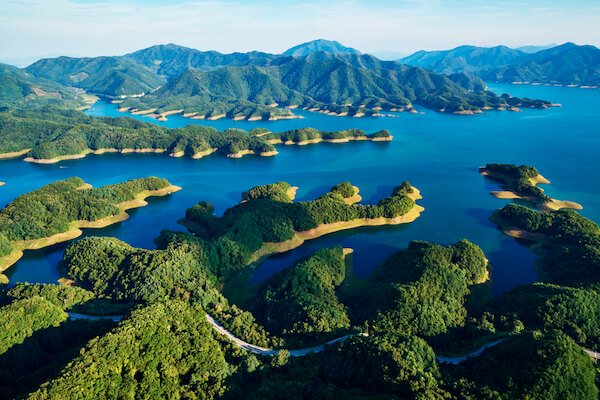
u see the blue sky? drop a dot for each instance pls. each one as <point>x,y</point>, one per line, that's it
<point>30,29</point>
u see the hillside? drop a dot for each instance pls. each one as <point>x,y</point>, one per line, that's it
<point>471,59</point>
<point>171,60</point>
<point>21,89</point>
<point>108,76</point>
<point>315,46</point>
<point>354,85</point>
<point>567,64</point>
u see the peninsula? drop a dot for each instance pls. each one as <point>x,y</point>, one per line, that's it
<point>74,135</point>
<point>57,212</point>
<point>520,182</point>
<point>268,222</point>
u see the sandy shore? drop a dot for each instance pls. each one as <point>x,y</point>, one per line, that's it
<point>2,183</point>
<point>321,140</point>
<point>548,205</point>
<point>75,226</point>
<point>291,192</point>
<point>243,153</point>
<point>204,153</point>
<point>355,198</point>
<point>300,237</point>
<point>89,151</point>
<point>14,154</point>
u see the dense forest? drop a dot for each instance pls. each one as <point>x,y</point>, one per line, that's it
<point>267,216</point>
<point>517,178</point>
<point>55,133</point>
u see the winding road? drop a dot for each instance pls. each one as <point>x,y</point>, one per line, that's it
<point>315,349</point>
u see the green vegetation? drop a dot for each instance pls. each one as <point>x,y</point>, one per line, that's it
<point>22,90</point>
<point>570,250</point>
<point>573,311</point>
<point>22,318</point>
<point>420,290</point>
<point>108,76</point>
<point>63,296</point>
<point>55,133</point>
<point>310,134</point>
<point>531,366</point>
<point>165,350</point>
<point>368,84</point>
<point>5,246</point>
<point>565,64</point>
<point>232,239</point>
<point>518,179</point>
<point>302,299</point>
<point>54,207</point>
<point>274,191</point>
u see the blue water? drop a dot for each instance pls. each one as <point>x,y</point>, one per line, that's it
<point>437,153</point>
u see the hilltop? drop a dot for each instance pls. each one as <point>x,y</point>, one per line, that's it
<point>315,46</point>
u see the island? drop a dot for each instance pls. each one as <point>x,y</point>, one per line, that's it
<point>57,212</point>
<point>268,222</point>
<point>520,182</point>
<point>71,135</point>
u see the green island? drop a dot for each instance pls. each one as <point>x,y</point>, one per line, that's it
<point>54,135</point>
<point>408,330</point>
<point>268,222</point>
<point>56,212</point>
<point>521,183</point>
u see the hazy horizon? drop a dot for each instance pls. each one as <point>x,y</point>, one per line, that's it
<point>33,29</point>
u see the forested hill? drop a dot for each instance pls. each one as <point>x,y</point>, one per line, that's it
<point>565,64</point>
<point>314,46</point>
<point>21,89</point>
<point>111,76</point>
<point>320,75</point>
<point>341,84</point>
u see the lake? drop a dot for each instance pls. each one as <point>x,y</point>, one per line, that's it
<point>438,153</point>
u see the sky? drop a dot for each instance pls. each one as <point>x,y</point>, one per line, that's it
<point>33,29</point>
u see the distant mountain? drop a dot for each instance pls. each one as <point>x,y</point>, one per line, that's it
<point>565,64</point>
<point>334,83</point>
<point>170,60</point>
<point>468,59</point>
<point>18,88</point>
<point>108,76</point>
<point>535,49</point>
<point>319,45</point>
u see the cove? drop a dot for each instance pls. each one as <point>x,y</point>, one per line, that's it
<point>438,153</point>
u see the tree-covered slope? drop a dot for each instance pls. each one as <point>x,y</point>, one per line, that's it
<point>471,59</point>
<point>314,46</point>
<point>109,76</point>
<point>18,88</point>
<point>171,60</point>
<point>566,64</point>
<point>341,84</point>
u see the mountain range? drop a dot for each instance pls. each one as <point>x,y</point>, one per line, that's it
<point>321,75</point>
<point>567,64</point>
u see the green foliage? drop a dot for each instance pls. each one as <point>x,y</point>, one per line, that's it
<point>571,252</point>
<point>244,228</point>
<point>531,366</point>
<point>345,189</point>
<point>165,350</point>
<point>274,191</point>
<point>52,208</point>
<point>518,178</point>
<point>5,246</point>
<point>60,295</point>
<point>302,299</point>
<point>388,363</point>
<point>22,318</point>
<point>574,311</point>
<point>420,290</point>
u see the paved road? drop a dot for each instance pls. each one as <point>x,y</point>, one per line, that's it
<point>315,349</point>
<point>266,351</point>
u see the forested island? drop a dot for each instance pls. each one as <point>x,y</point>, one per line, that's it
<point>56,212</point>
<point>521,182</point>
<point>268,222</point>
<point>56,135</point>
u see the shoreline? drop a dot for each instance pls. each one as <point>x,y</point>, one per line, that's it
<point>321,140</point>
<point>75,227</point>
<point>299,238</point>
<point>548,205</point>
<point>355,198</point>
<point>517,233</point>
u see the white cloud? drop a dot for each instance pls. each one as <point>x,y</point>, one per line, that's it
<point>34,28</point>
